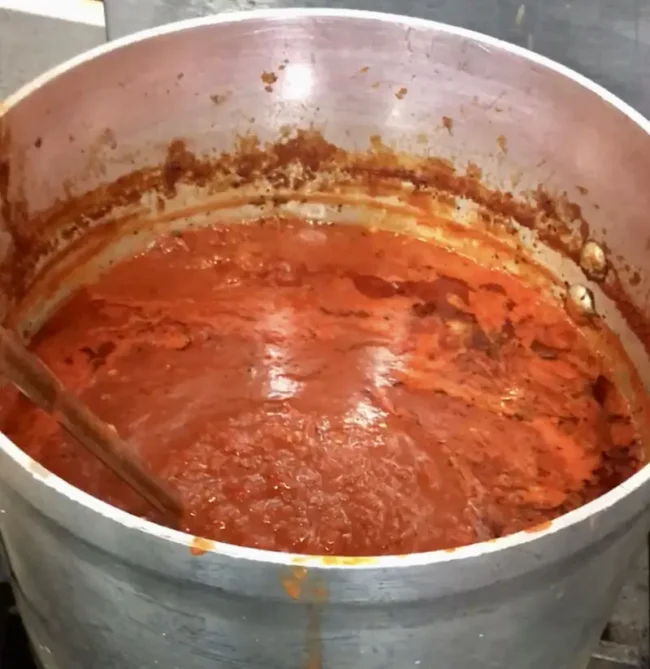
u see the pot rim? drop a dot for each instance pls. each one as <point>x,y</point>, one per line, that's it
<point>42,476</point>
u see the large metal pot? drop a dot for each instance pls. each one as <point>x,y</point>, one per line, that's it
<point>100,588</point>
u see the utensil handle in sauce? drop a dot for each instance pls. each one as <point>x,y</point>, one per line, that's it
<point>37,383</point>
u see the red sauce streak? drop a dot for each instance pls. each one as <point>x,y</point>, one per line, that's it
<point>324,389</point>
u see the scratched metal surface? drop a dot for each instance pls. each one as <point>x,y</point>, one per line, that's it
<point>607,40</point>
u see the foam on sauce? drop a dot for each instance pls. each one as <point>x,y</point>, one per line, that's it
<point>323,389</point>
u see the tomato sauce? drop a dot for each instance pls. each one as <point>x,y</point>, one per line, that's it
<point>324,389</point>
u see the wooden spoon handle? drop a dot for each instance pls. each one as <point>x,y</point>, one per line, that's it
<point>32,377</point>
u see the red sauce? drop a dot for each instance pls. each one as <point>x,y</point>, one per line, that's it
<point>329,390</point>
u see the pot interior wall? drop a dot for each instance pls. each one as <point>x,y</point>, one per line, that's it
<point>91,152</point>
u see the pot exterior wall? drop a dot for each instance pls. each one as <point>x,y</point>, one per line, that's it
<point>85,607</point>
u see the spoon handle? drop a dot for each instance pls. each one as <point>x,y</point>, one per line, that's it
<point>32,377</point>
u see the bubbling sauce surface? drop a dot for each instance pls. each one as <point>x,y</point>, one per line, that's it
<point>324,389</point>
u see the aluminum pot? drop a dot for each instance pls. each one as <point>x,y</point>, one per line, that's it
<point>100,588</point>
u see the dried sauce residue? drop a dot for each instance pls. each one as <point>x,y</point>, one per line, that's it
<point>268,79</point>
<point>294,581</point>
<point>220,98</point>
<point>323,389</point>
<point>200,546</point>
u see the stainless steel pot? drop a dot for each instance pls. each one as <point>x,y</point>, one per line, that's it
<point>100,588</point>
